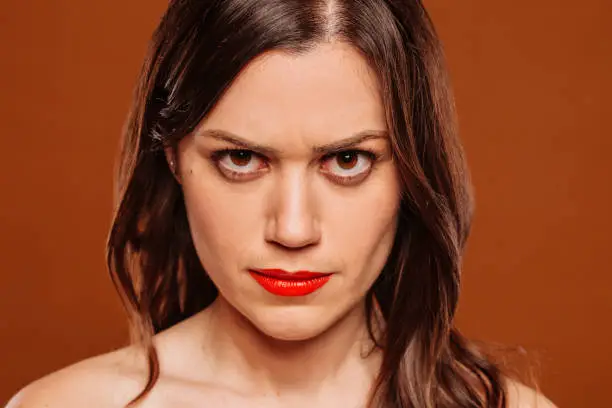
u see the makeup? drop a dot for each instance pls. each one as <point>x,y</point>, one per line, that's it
<point>347,167</point>
<point>283,283</point>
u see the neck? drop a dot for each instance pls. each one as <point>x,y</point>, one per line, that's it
<point>337,357</point>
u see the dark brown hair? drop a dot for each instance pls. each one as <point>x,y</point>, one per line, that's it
<point>195,54</point>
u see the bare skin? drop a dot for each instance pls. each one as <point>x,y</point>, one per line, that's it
<point>191,377</point>
<point>111,380</point>
<point>291,205</point>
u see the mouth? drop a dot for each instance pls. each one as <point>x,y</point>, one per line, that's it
<point>283,283</point>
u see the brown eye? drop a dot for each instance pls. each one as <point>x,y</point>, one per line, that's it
<point>347,160</point>
<point>240,158</point>
<point>348,166</point>
<point>239,164</point>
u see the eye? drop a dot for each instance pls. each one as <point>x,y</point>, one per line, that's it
<point>238,164</point>
<point>348,167</point>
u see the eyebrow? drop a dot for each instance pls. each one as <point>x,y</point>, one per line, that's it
<point>328,148</point>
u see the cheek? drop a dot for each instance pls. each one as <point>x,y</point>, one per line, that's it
<point>222,224</point>
<point>362,223</point>
<point>363,228</point>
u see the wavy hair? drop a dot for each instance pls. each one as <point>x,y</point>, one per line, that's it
<point>198,49</point>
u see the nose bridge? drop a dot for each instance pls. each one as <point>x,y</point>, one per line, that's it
<point>293,223</point>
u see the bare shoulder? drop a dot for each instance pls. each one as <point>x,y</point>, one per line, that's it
<point>521,396</point>
<point>106,381</point>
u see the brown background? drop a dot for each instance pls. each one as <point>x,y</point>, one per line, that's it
<point>533,83</point>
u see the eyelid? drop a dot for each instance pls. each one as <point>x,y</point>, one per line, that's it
<point>352,179</point>
<point>231,174</point>
<point>218,155</point>
<point>370,153</point>
<point>225,151</point>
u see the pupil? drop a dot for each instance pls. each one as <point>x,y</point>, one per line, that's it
<point>240,158</point>
<point>347,160</point>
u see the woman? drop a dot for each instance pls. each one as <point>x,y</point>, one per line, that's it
<point>293,208</point>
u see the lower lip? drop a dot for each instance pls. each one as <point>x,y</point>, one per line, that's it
<point>290,287</point>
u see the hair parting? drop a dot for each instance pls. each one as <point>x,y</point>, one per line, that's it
<point>151,257</point>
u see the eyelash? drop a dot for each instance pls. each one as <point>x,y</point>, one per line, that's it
<point>218,155</point>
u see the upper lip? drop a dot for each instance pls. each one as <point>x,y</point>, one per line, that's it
<point>296,275</point>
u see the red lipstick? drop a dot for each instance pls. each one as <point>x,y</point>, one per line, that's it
<point>283,283</point>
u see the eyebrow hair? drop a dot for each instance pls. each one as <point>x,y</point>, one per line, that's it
<point>328,148</point>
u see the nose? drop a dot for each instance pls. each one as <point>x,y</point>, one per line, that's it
<point>292,222</point>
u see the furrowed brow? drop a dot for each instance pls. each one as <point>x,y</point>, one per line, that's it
<point>328,148</point>
<point>229,137</point>
<point>350,142</point>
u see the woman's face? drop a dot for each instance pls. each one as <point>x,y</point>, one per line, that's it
<point>292,171</point>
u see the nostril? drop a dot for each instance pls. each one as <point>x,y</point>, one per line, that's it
<point>291,234</point>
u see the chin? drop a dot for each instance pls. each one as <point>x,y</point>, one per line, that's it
<point>290,323</point>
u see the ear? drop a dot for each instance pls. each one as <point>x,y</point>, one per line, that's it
<point>171,159</point>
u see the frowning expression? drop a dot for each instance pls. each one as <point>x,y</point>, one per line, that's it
<point>293,170</point>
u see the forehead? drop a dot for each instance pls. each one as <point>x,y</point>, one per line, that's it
<point>329,92</point>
